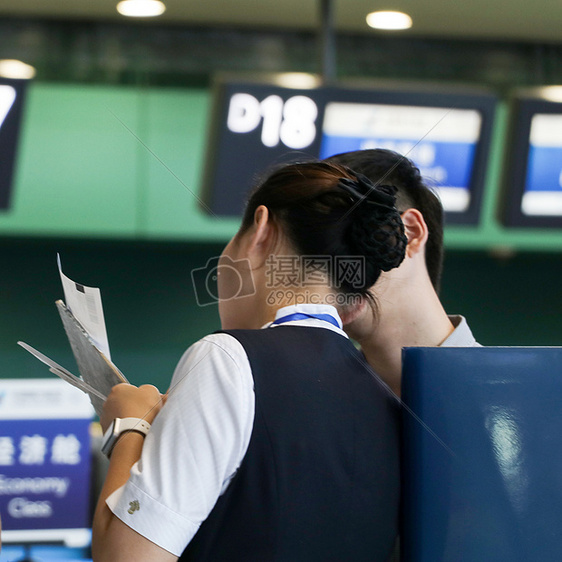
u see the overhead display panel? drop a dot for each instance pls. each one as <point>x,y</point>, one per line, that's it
<point>532,190</point>
<point>11,104</point>
<point>256,126</point>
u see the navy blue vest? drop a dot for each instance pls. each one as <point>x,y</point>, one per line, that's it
<point>320,479</point>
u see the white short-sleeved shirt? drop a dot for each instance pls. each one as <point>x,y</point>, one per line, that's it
<point>199,438</point>
<point>461,335</point>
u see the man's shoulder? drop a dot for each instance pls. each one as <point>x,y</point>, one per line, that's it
<point>462,335</point>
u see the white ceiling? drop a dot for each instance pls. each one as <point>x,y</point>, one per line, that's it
<point>538,20</point>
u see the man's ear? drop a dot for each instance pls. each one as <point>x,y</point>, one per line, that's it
<point>416,231</point>
<point>349,314</point>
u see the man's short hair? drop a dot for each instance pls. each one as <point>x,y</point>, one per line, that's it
<point>388,167</point>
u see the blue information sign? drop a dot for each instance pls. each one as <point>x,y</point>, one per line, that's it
<point>45,462</point>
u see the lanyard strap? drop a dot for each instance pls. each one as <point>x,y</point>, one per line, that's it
<point>302,316</point>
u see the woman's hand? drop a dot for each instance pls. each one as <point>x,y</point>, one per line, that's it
<point>113,539</point>
<point>128,401</point>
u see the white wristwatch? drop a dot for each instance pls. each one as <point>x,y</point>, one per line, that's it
<point>120,426</point>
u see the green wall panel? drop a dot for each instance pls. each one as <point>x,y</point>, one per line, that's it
<point>127,163</point>
<point>175,129</point>
<point>77,165</point>
<point>112,162</point>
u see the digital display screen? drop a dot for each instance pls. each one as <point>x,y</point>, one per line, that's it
<point>255,128</point>
<point>532,191</point>
<point>259,126</point>
<point>11,103</point>
<point>543,182</point>
<point>441,142</point>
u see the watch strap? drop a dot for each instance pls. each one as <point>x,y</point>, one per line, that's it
<point>120,426</point>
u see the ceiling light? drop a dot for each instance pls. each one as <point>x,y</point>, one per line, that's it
<point>389,20</point>
<point>551,93</point>
<point>141,8</point>
<point>11,68</point>
<point>297,80</point>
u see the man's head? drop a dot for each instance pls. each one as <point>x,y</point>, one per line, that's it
<point>388,167</point>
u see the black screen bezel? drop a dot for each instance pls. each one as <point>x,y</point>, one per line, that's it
<point>9,135</point>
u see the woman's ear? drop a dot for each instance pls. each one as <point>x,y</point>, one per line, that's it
<point>416,231</point>
<point>262,234</point>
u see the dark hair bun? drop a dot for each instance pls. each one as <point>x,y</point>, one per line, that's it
<point>328,211</point>
<point>375,228</point>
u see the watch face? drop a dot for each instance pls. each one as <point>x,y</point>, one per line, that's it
<point>109,431</point>
<point>109,439</point>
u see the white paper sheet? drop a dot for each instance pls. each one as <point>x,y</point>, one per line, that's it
<point>85,305</point>
<point>61,372</point>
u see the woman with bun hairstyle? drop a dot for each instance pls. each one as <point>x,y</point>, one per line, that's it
<point>275,441</point>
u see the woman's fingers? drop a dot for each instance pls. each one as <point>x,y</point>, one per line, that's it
<point>128,401</point>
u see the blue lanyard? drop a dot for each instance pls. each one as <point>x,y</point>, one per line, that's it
<point>302,316</point>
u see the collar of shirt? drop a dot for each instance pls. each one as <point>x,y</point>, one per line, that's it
<point>312,311</point>
<point>461,336</point>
